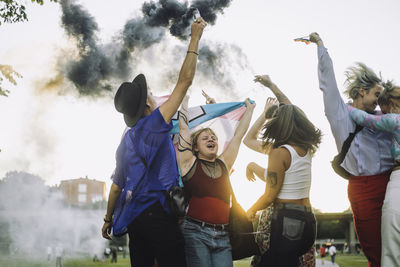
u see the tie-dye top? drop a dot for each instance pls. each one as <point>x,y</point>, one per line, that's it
<point>386,122</point>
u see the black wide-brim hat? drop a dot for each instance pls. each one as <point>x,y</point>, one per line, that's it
<point>130,99</point>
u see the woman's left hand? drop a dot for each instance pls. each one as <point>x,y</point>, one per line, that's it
<point>248,104</point>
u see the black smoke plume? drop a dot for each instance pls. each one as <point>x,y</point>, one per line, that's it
<point>98,64</point>
<point>93,67</point>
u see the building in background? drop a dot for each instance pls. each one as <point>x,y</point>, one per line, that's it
<point>83,191</point>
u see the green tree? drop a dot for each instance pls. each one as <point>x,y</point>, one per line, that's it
<point>14,10</point>
<point>9,73</point>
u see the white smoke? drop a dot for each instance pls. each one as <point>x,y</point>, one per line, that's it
<point>33,217</point>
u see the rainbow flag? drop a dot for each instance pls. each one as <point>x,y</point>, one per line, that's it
<point>303,39</point>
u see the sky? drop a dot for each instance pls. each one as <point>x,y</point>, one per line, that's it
<point>59,124</point>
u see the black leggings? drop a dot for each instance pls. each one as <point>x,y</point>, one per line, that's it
<point>155,234</point>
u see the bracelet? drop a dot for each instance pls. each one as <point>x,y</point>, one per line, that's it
<point>107,221</point>
<point>194,52</point>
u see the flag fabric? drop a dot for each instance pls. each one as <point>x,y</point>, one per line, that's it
<point>222,118</point>
<point>304,39</point>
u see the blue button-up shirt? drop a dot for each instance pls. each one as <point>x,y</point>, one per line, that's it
<point>369,153</point>
<point>146,168</point>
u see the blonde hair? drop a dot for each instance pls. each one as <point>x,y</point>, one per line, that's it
<point>358,77</point>
<point>195,136</point>
<point>390,91</point>
<point>290,125</point>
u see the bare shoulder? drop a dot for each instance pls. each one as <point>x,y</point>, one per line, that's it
<point>280,156</point>
<point>279,152</point>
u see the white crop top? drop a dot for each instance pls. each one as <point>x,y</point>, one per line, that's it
<point>297,179</point>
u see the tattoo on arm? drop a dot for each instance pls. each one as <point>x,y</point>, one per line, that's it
<point>183,139</point>
<point>186,146</point>
<point>272,178</point>
<point>183,116</point>
<point>183,144</point>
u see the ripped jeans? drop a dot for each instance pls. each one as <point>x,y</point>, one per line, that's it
<point>293,232</point>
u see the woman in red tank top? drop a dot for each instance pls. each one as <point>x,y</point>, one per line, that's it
<point>205,176</point>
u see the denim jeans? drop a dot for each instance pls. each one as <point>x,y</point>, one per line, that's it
<point>293,233</point>
<point>206,246</point>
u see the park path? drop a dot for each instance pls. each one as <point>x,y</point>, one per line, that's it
<point>327,263</point>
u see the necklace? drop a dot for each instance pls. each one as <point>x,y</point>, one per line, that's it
<point>212,173</point>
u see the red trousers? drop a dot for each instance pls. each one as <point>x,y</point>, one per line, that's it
<point>366,194</point>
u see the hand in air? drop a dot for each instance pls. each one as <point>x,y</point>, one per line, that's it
<point>271,101</point>
<point>314,38</point>
<point>209,99</point>
<point>197,27</point>
<point>248,104</point>
<point>263,79</point>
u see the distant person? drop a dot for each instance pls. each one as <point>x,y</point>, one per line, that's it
<point>49,251</point>
<point>58,252</point>
<point>290,140</point>
<point>332,253</point>
<point>346,248</point>
<point>368,161</point>
<point>114,255</point>
<point>322,253</point>
<point>146,168</point>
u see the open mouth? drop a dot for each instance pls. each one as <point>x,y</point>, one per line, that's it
<point>210,145</point>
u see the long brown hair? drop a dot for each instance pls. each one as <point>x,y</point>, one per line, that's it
<point>289,125</point>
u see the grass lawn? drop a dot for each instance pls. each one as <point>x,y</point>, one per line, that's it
<point>341,260</point>
<point>350,260</point>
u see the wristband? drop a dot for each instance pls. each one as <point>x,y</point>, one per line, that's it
<point>107,221</point>
<point>194,52</point>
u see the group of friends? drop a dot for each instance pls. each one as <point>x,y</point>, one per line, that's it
<point>148,165</point>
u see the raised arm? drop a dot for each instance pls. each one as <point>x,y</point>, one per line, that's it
<point>253,168</point>
<point>386,122</point>
<point>230,154</point>
<point>335,108</point>
<point>251,139</point>
<point>266,81</point>
<point>185,156</point>
<point>186,74</point>
<point>277,160</point>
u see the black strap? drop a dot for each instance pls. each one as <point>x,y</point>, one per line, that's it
<point>339,158</point>
<point>347,143</point>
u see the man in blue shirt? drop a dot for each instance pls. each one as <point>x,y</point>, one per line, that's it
<point>146,168</point>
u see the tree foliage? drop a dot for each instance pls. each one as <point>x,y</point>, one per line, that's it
<point>10,74</point>
<point>14,10</point>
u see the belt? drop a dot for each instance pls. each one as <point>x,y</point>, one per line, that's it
<point>292,206</point>
<point>210,225</point>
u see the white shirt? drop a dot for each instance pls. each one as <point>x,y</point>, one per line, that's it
<point>297,180</point>
<point>332,250</point>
